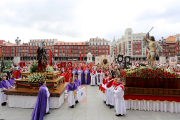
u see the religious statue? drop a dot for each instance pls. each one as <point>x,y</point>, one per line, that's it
<point>152,47</point>
<point>41,57</point>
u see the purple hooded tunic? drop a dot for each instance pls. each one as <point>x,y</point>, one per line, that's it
<point>77,83</point>
<point>5,84</point>
<point>41,103</point>
<point>82,77</point>
<point>0,84</point>
<point>88,77</point>
<point>11,81</point>
<point>71,87</point>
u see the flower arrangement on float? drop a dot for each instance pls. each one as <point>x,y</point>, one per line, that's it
<point>145,72</point>
<point>49,69</point>
<point>36,77</point>
<point>33,67</point>
<point>151,78</point>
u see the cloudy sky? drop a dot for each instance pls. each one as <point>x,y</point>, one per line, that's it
<point>79,20</point>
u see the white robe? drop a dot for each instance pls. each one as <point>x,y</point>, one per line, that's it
<point>99,82</point>
<point>48,96</point>
<point>3,97</point>
<point>107,92</point>
<point>93,81</point>
<point>110,96</point>
<point>76,91</point>
<point>104,94</point>
<point>119,101</point>
<point>73,72</point>
<point>71,99</point>
<point>63,69</point>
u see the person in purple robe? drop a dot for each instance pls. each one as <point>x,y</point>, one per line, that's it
<point>74,72</point>
<point>87,76</point>
<point>71,87</point>
<point>81,76</point>
<point>0,85</point>
<point>4,85</point>
<point>78,85</point>
<point>42,103</point>
<point>11,81</point>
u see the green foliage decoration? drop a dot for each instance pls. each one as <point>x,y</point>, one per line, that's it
<point>33,67</point>
<point>49,69</point>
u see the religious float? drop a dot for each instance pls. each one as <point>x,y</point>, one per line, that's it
<point>152,89</point>
<point>25,93</point>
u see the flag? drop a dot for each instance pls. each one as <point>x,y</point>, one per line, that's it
<point>2,63</point>
<point>22,64</point>
<point>50,57</point>
<point>81,94</point>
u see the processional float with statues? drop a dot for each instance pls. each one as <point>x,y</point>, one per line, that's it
<point>151,88</point>
<point>26,88</point>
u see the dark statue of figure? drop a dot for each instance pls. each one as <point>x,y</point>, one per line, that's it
<point>41,57</point>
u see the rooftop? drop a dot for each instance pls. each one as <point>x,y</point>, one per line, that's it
<point>171,39</point>
<point>46,40</point>
<point>71,43</point>
<point>177,35</point>
<point>13,44</point>
<point>98,39</point>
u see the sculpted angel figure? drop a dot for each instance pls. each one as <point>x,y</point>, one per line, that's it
<point>153,49</point>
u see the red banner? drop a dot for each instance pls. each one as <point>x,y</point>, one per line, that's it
<point>69,64</point>
<point>22,64</point>
<point>59,65</point>
<point>50,57</point>
<point>63,64</point>
<point>80,57</point>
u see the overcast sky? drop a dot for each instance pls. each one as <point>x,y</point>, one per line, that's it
<point>79,20</point>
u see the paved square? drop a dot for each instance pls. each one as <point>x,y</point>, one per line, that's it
<point>92,109</point>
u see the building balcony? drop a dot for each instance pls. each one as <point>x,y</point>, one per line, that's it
<point>178,54</point>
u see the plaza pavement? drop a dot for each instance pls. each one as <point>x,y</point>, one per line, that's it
<point>93,109</point>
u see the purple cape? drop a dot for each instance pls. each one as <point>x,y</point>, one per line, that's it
<point>0,84</point>
<point>41,103</point>
<point>11,81</point>
<point>77,83</point>
<point>5,84</point>
<point>71,87</point>
<point>88,77</point>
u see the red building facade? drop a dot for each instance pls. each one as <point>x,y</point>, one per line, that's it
<point>64,51</point>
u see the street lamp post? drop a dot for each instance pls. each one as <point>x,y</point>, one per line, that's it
<point>18,41</point>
